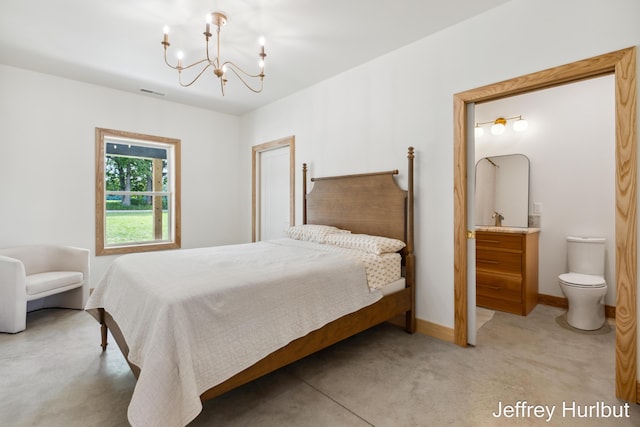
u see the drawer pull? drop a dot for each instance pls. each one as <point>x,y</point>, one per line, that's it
<point>488,261</point>
<point>493,288</point>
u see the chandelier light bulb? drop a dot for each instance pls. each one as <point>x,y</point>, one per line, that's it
<point>478,131</point>
<point>180,57</point>
<point>165,37</point>
<point>261,41</point>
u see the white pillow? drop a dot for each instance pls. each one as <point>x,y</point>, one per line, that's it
<point>366,243</point>
<point>313,232</point>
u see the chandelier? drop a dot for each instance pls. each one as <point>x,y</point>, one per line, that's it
<point>220,68</point>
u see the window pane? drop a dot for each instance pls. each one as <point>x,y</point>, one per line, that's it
<point>136,223</point>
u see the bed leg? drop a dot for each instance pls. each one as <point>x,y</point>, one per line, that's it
<point>103,330</point>
<point>410,322</point>
<point>410,316</point>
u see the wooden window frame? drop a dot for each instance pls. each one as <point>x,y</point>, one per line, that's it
<point>175,241</point>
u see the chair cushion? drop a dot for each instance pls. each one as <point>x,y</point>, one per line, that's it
<point>43,282</point>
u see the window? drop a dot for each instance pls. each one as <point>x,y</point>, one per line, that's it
<point>137,192</point>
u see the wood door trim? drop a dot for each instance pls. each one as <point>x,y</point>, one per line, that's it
<point>255,150</point>
<point>622,64</point>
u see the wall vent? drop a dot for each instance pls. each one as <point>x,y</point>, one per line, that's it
<point>151,92</point>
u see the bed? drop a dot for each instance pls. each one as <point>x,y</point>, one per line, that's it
<point>184,349</point>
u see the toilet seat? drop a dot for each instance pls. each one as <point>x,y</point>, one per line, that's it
<point>582,280</point>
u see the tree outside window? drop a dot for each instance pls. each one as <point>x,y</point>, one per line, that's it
<point>137,192</point>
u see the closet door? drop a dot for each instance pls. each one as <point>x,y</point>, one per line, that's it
<point>273,187</point>
<point>274,192</point>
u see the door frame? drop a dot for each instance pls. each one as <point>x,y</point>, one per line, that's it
<point>256,150</point>
<point>622,64</point>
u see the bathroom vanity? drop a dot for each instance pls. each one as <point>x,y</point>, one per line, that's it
<point>507,268</point>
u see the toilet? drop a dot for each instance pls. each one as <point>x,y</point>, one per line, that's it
<point>584,284</point>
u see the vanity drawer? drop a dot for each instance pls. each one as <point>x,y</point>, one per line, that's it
<point>511,241</point>
<point>500,287</point>
<point>503,262</point>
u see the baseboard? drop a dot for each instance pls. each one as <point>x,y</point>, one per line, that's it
<point>435,330</point>
<point>553,301</point>
<point>562,302</point>
<point>445,333</point>
<point>424,327</point>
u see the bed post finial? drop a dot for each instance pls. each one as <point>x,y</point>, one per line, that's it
<point>304,193</point>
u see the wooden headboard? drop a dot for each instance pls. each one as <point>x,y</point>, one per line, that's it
<point>370,203</point>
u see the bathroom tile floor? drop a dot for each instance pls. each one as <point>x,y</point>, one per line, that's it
<point>54,374</point>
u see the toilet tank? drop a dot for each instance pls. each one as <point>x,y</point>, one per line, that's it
<point>585,255</point>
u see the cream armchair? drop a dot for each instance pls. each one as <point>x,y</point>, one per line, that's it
<point>56,276</point>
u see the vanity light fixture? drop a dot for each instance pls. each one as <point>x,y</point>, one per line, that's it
<point>498,125</point>
<point>220,68</point>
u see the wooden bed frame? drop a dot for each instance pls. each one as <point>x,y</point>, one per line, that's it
<point>366,203</point>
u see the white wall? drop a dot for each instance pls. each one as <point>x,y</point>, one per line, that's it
<point>47,184</point>
<point>570,143</point>
<point>363,120</point>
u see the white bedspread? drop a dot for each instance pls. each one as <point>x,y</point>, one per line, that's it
<point>193,318</point>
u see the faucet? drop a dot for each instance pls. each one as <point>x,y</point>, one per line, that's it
<point>498,217</point>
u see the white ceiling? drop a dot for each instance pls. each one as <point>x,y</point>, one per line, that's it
<point>116,43</point>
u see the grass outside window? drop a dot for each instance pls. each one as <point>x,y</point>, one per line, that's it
<point>132,226</point>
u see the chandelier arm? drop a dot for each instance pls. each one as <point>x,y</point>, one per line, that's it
<point>233,69</point>
<point>237,69</point>
<point>195,78</point>
<point>206,49</point>
<point>197,63</point>
<point>167,62</point>
<point>180,68</point>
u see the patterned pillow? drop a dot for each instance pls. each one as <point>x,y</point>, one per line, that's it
<point>364,242</point>
<point>313,232</point>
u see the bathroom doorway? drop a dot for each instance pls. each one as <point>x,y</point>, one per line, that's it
<point>623,65</point>
<point>564,168</point>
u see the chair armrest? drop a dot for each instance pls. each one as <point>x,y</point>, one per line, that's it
<point>13,284</point>
<point>72,259</point>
